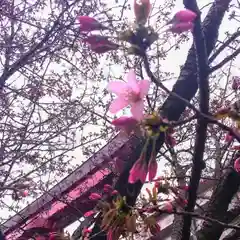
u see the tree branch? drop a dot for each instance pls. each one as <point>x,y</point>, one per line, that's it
<point>224,61</point>
<point>201,131</point>
<point>218,205</point>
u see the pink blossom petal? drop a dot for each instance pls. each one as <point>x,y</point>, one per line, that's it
<point>114,192</point>
<point>118,104</point>
<point>185,16</point>
<point>89,213</point>
<point>132,81</point>
<point>107,188</point>
<point>86,231</point>
<point>137,109</point>
<point>95,196</point>
<point>181,27</point>
<point>124,121</point>
<point>228,138</point>
<point>110,234</point>
<point>117,87</point>
<point>135,172</point>
<point>144,86</point>
<point>152,169</point>
<point>24,193</point>
<point>143,174</point>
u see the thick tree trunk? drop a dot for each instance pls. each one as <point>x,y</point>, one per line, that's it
<point>219,203</point>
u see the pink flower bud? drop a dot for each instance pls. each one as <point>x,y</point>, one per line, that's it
<point>23,193</point>
<point>181,27</point>
<point>152,169</point>
<point>88,24</point>
<point>184,16</point>
<point>86,231</point>
<point>171,140</point>
<point>157,184</point>
<point>114,192</point>
<point>110,234</point>
<point>89,213</point>
<point>138,172</point>
<point>107,188</point>
<point>237,165</point>
<point>95,196</point>
<point>228,138</point>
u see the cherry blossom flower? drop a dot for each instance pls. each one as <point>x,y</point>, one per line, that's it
<point>95,196</point>
<point>237,165</point>
<point>185,15</point>
<point>88,24</point>
<point>142,9</point>
<point>130,93</point>
<point>182,21</point>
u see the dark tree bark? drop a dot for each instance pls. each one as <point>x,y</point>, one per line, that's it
<point>219,203</point>
<point>1,236</point>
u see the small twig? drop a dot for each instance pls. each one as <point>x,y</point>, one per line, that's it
<point>224,61</point>
<point>223,46</point>
<point>208,117</point>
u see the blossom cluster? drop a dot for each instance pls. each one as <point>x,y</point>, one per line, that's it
<point>119,219</point>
